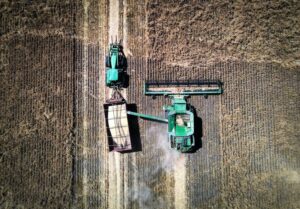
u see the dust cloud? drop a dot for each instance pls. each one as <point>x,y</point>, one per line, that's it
<point>171,160</point>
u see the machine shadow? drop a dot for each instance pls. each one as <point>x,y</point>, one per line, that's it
<point>125,74</point>
<point>198,132</point>
<point>134,130</point>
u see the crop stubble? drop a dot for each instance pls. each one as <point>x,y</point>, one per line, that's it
<point>53,150</point>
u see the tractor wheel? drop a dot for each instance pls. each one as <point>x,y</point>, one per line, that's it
<point>107,62</point>
<point>122,62</point>
<point>121,83</point>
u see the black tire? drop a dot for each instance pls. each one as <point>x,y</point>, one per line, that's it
<point>172,142</point>
<point>107,62</point>
<point>121,83</point>
<point>166,114</point>
<point>122,62</point>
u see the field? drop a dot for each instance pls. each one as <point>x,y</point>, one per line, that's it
<point>53,144</point>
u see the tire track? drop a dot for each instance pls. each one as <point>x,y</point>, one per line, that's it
<point>118,169</point>
<point>180,179</point>
<point>114,190</point>
<point>85,104</point>
<point>128,159</point>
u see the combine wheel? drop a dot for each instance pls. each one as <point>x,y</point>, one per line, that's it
<point>166,114</point>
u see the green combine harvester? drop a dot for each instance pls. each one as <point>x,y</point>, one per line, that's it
<point>179,115</point>
<point>116,67</point>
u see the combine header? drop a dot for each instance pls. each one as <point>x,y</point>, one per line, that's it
<point>179,115</point>
<point>204,87</point>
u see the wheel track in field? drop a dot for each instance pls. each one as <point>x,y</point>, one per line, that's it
<point>118,163</point>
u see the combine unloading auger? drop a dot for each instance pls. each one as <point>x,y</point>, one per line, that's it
<point>180,114</point>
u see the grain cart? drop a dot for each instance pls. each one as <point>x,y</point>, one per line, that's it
<point>117,124</point>
<point>179,115</point>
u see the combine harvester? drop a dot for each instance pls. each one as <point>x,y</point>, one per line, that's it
<point>115,109</point>
<point>179,115</point>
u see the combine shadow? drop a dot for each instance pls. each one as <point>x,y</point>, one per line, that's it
<point>198,132</point>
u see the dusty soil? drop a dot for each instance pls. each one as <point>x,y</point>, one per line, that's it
<point>53,146</point>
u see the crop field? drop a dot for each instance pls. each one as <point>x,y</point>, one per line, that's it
<point>53,143</point>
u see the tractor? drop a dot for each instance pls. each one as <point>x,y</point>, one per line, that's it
<point>116,67</point>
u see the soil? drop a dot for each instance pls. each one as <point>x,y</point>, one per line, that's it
<point>53,145</point>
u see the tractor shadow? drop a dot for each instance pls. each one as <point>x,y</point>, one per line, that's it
<point>124,66</point>
<point>125,74</point>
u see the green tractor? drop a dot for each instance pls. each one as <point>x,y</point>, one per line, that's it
<point>116,67</point>
<point>179,115</point>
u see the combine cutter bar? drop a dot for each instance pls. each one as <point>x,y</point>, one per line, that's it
<point>197,87</point>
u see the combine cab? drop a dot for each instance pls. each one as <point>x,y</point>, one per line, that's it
<point>180,125</point>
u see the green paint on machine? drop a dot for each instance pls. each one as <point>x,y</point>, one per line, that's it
<point>180,114</point>
<point>116,65</point>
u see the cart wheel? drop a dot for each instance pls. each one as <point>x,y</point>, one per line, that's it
<point>166,114</point>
